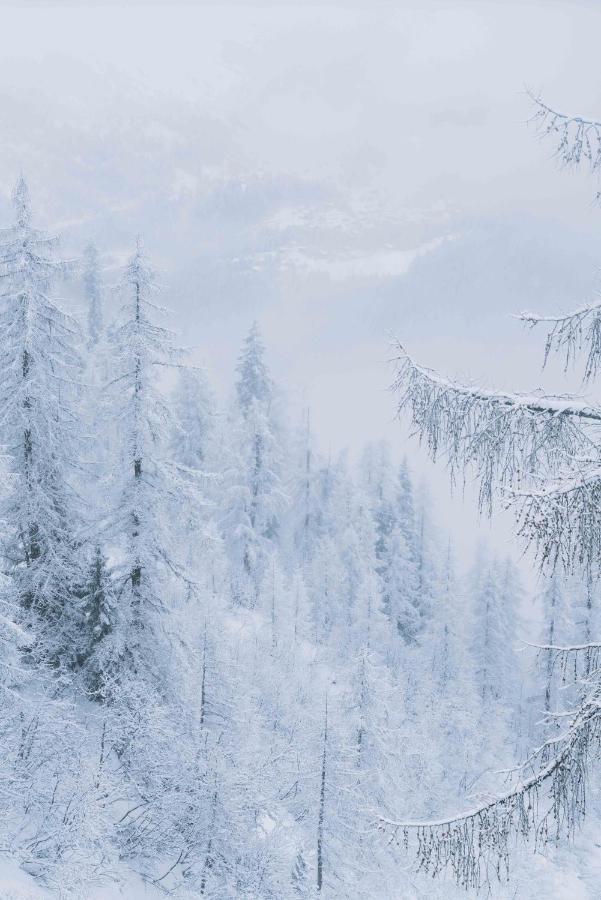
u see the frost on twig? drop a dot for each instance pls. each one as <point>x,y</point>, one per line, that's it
<point>578,140</point>
<point>562,520</point>
<point>541,806</point>
<point>541,452</point>
<point>569,334</point>
<point>510,439</point>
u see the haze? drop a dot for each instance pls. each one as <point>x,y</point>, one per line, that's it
<point>344,174</point>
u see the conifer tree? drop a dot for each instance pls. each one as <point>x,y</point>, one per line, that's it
<point>406,562</point>
<point>99,611</point>
<point>255,497</point>
<point>541,452</point>
<point>304,508</point>
<point>194,411</point>
<point>147,487</point>
<point>493,637</point>
<point>39,368</point>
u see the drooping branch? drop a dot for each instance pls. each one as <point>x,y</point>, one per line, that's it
<point>476,844</point>
<point>569,334</point>
<point>580,662</point>
<point>543,454</point>
<point>568,648</point>
<point>506,437</point>
<point>563,520</point>
<point>578,139</point>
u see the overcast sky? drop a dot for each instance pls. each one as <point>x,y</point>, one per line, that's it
<point>343,173</point>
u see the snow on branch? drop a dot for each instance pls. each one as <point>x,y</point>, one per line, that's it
<point>475,845</point>
<point>563,520</point>
<point>570,333</point>
<point>508,438</point>
<point>579,662</point>
<point>578,140</point>
<point>567,648</point>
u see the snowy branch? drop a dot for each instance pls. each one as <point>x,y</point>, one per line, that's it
<point>507,437</point>
<point>549,802</point>
<point>569,334</point>
<point>578,140</point>
<point>563,520</point>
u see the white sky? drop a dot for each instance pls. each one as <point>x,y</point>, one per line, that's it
<point>343,173</point>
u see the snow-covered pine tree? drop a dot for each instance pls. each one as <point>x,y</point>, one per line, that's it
<point>147,487</point>
<point>254,495</point>
<point>557,629</point>
<point>377,480</point>
<point>303,519</point>
<point>407,564</point>
<point>392,555</point>
<point>493,618</point>
<point>254,385</point>
<point>194,441</point>
<point>39,427</point>
<point>453,702</point>
<point>330,576</point>
<point>195,414</point>
<point>542,451</point>
<point>99,611</point>
<point>322,813</point>
<point>97,592</point>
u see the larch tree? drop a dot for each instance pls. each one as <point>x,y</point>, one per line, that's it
<point>406,564</point>
<point>492,641</point>
<point>147,485</point>
<point>194,440</point>
<point>555,632</point>
<point>446,650</point>
<point>377,479</point>
<point>42,434</point>
<point>542,454</point>
<point>253,473</point>
<point>97,592</point>
<point>303,488</point>
<point>195,415</point>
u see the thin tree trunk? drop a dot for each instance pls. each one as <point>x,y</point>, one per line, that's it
<point>322,802</point>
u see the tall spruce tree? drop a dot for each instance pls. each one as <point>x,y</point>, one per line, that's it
<point>39,426</point>
<point>147,486</point>
<point>254,494</point>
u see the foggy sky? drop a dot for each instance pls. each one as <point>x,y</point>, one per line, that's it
<point>343,173</point>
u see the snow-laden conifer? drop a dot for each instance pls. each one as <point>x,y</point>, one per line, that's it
<point>147,486</point>
<point>252,474</point>
<point>42,435</point>
<point>541,453</point>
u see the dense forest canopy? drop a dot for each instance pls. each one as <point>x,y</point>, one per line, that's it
<point>228,661</point>
<point>238,660</point>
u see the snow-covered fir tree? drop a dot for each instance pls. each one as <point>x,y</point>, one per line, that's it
<point>252,473</point>
<point>195,413</point>
<point>41,431</point>
<point>146,484</point>
<point>227,661</point>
